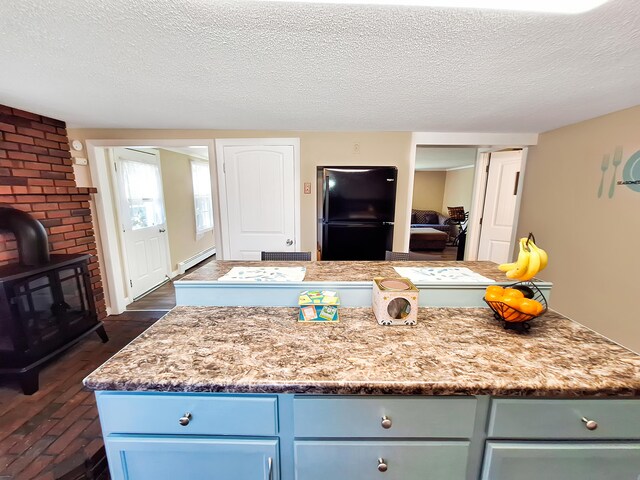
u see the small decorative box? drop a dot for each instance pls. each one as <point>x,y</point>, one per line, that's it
<point>318,306</point>
<point>395,301</point>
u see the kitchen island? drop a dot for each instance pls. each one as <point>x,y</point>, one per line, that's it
<point>249,393</point>
<point>204,287</point>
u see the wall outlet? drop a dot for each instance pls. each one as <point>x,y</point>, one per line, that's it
<point>80,161</point>
<point>307,188</point>
<point>356,148</point>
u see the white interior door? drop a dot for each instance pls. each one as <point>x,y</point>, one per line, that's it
<point>500,204</point>
<point>142,219</point>
<point>260,186</point>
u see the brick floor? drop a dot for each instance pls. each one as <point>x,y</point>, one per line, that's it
<point>56,431</point>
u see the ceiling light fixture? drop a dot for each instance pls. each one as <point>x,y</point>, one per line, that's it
<point>547,6</point>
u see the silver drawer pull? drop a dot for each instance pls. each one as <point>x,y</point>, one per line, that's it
<point>590,424</point>
<point>185,419</point>
<point>386,422</point>
<point>382,466</point>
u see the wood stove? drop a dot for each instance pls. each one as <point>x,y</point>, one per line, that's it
<point>44,308</point>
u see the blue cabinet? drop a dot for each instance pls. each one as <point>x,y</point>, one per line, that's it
<point>388,460</point>
<point>550,419</point>
<point>198,458</point>
<point>404,417</point>
<point>563,439</point>
<point>155,435</point>
<point>561,461</point>
<point>190,436</point>
<point>151,413</point>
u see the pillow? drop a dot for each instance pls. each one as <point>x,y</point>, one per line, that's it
<point>457,213</point>
<point>431,218</point>
<point>413,218</point>
<point>425,217</point>
<point>421,217</point>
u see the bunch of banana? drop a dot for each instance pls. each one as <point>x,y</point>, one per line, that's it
<point>531,259</point>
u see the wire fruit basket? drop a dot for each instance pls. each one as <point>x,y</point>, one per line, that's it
<point>512,318</point>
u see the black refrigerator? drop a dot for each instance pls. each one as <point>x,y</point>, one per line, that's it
<point>356,207</point>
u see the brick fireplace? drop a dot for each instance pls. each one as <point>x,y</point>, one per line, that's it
<point>36,176</point>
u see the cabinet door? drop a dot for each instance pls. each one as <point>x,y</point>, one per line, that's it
<point>360,460</point>
<point>197,458</point>
<point>561,461</point>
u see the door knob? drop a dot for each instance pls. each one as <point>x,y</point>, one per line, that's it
<point>162,230</point>
<point>289,242</point>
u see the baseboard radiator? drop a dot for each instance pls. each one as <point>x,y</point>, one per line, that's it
<point>197,258</point>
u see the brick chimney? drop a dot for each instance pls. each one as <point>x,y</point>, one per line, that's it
<point>36,176</point>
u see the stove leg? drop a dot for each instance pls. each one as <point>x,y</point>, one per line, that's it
<point>29,382</point>
<point>102,333</point>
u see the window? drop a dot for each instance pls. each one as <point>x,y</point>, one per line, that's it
<point>143,192</point>
<point>202,195</point>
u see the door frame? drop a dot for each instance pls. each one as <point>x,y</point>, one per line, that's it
<point>119,206</point>
<point>220,144</point>
<point>485,143</point>
<point>109,251</point>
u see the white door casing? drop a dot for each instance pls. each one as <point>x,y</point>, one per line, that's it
<point>142,219</point>
<point>500,206</point>
<point>259,196</point>
<point>112,264</point>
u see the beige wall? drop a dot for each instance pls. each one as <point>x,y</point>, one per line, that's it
<point>180,209</point>
<point>316,148</point>
<point>428,190</point>
<point>593,243</point>
<point>458,189</point>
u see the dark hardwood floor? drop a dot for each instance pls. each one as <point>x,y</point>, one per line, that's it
<point>164,297</point>
<point>55,433</point>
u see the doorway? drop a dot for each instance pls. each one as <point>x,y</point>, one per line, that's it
<point>156,214</point>
<point>443,187</point>
<point>485,143</point>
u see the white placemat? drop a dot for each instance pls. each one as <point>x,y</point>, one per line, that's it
<point>264,274</point>
<point>442,275</point>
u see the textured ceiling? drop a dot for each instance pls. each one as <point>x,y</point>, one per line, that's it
<point>444,158</point>
<point>261,65</point>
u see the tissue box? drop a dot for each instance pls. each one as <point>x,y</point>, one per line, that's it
<point>395,301</point>
<point>318,306</point>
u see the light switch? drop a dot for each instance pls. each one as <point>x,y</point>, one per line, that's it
<point>307,188</point>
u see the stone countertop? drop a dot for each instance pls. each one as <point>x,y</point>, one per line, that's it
<point>334,271</point>
<point>461,351</point>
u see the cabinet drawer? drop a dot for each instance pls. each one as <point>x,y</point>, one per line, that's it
<point>171,458</point>
<point>561,461</point>
<point>549,419</point>
<point>210,414</point>
<point>407,417</point>
<point>404,460</point>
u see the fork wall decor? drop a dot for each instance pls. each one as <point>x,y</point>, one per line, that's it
<point>631,173</point>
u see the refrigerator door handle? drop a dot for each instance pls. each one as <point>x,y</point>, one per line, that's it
<point>325,194</point>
